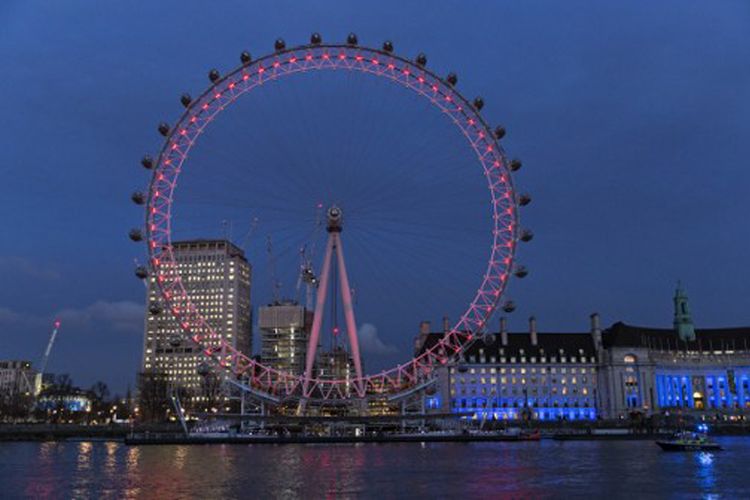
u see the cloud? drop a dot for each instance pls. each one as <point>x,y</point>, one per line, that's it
<point>8,316</point>
<point>120,316</point>
<point>116,316</point>
<point>370,343</point>
<point>23,266</point>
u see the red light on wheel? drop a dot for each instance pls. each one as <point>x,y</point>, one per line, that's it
<point>503,211</point>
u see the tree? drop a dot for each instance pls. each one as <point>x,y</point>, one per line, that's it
<point>53,397</point>
<point>99,395</point>
<point>153,396</point>
<point>15,406</point>
<point>99,391</point>
<point>211,390</point>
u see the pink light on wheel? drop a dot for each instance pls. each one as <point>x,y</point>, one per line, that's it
<point>426,84</point>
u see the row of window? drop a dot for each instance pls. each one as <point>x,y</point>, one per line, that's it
<point>522,380</point>
<point>532,359</point>
<point>484,391</point>
<point>522,371</point>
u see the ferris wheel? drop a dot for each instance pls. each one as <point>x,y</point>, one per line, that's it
<point>482,142</point>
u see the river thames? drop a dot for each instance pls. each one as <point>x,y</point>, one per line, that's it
<point>547,469</point>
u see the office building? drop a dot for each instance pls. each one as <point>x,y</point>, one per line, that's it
<point>217,278</point>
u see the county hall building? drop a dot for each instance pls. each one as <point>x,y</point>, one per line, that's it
<point>608,373</point>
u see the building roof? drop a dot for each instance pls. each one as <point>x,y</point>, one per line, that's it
<point>623,335</point>
<point>548,343</point>
<point>218,244</point>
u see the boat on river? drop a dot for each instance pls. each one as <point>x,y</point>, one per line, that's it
<point>689,441</point>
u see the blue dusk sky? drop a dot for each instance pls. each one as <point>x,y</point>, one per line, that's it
<point>632,119</point>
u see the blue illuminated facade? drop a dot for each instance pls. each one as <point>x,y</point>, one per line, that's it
<point>704,389</point>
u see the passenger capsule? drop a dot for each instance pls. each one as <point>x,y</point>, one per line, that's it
<point>509,306</point>
<point>141,272</point>
<point>526,235</point>
<point>279,44</point>
<point>155,309</point>
<point>515,165</point>
<point>524,199</point>
<point>246,58</point>
<point>521,272</point>
<point>138,198</point>
<point>478,103</point>
<point>388,46</point>
<point>499,132</point>
<point>316,39</point>
<point>421,59</point>
<point>135,235</point>
<point>164,128</point>
<point>452,78</point>
<point>214,75</point>
<point>175,340</point>
<point>185,99</point>
<point>147,162</point>
<point>351,39</point>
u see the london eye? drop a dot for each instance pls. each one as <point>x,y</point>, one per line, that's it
<point>481,148</point>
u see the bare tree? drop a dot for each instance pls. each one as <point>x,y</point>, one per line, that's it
<point>153,396</point>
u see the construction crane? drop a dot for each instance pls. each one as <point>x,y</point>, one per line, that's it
<point>275,283</point>
<point>43,364</point>
<point>306,276</point>
<point>307,254</point>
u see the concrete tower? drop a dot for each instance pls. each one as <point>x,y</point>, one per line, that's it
<point>683,324</point>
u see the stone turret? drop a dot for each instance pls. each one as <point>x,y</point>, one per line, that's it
<point>421,338</point>
<point>683,323</point>
<point>596,331</point>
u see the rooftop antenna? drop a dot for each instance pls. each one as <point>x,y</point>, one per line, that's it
<point>226,229</point>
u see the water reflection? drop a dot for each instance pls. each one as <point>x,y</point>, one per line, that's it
<point>179,456</point>
<point>45,464</point>
<point>706,473</point>
<point>484,470</point>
